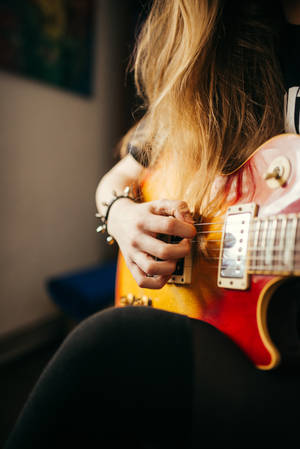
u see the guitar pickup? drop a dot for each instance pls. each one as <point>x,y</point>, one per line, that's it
<point>183,270</point>
<point>233,263</point>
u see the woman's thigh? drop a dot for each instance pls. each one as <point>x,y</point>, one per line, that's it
<point>155,379</point>
<point>123,375</point>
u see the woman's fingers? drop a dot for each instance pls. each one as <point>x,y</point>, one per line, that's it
<point>168,225</point>
<point>162,250</point>
<point>136,228</point>
<point>152,267</point>
<point>144,281</point>
<point>173,208</point>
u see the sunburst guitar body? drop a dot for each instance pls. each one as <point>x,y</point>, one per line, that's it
<point>241,258</point>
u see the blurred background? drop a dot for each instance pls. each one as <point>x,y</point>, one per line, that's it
<point>65,103</point>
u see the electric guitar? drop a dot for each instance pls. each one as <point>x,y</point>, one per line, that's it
<point>241,258</point>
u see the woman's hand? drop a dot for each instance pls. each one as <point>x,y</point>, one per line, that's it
<point>135,227</point>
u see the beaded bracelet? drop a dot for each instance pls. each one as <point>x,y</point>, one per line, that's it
<point>103,227</point>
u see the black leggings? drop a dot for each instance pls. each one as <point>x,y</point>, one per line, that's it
<point>146,378</point>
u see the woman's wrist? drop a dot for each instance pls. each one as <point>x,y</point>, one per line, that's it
<point>116,214</point>
<point>106,214</point>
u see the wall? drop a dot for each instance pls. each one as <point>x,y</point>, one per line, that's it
<point>54,146</point>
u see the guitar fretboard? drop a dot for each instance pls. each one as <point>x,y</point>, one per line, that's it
<point>274,245</point>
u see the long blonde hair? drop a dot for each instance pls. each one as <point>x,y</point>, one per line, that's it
<point>208,74</point>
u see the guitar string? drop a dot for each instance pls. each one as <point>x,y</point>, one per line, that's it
<point>276,263</point>
<point>250,259</point>
<point>295,250</point>
<point>219,240</point>
<point>255,258</point>
<point>250,231</point>
<point>278,266</point>
<point>234,225</point>
<point>253,220</point>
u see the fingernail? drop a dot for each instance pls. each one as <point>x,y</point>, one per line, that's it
<point>189,218</point>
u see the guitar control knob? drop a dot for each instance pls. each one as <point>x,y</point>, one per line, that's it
<point>278,172</point>
<point>127,300</point>
<point>131,300</point>
<point>146,301</point>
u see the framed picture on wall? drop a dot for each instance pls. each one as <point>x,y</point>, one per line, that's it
<point>50,41</point>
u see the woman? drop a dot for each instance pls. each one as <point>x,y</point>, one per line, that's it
<point>212,75</point>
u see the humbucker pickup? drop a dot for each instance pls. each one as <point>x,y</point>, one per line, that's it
<point>233,264</point>
<point>183,270</point>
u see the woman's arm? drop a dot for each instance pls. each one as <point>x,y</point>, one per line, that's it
<point>135,225</point>
<point>124,173</point>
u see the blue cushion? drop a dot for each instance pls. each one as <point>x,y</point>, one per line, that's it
<point>83,293</point>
